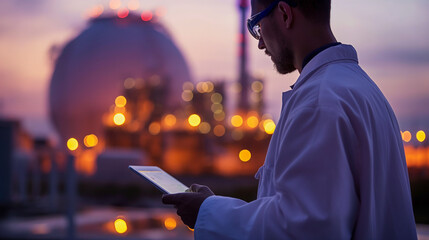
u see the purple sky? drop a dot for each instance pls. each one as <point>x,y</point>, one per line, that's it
<point>391,38</point>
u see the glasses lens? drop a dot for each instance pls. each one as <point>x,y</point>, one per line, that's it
<point>256,31</point>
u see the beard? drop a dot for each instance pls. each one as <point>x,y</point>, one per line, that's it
<point>283,62</point>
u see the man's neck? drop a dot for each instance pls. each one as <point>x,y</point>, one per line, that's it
<point>310,41</point>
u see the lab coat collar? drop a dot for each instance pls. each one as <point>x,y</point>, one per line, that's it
<point>341,52</point>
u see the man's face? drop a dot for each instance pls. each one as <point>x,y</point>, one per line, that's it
<point>273,40</point>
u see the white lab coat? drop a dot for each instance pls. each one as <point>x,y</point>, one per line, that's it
<point>335,167</point>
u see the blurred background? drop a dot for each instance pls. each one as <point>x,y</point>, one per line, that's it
<point>90,87</point>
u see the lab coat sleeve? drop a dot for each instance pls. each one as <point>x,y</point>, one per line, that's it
<point>315,195</point>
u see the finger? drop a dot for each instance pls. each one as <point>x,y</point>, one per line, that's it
<point>196,187</point>
<point>171,198</point>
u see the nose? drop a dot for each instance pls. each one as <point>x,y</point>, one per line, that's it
<point>261,44</point>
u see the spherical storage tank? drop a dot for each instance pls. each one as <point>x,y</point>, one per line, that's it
<point>90,71</point>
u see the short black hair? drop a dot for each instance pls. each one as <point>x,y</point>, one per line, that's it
<point>317,10</point>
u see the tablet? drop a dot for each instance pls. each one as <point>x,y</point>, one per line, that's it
<point>162,180</point>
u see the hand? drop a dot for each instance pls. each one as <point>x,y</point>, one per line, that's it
<point>188,203</point>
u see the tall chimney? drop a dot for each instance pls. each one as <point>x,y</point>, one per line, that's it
<point>243,101</point>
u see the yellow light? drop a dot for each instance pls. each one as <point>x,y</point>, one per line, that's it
<point>257,86</point>
<point>119,119</point>
<point>115,4</point>
<point>90,140</point>
<point>170,120</point>
<point>188,86</point>
<point>120,101</point>
<point>219,130</point>
<point>204,127</point>
<point>252,122</point>
<point>269,126</point>
<point>219,116</point>
<point>154,128</point>
<point>194,120</point>
<point>421,136</point>
<point>120,226</point>
<point>72,144</point>
<point>187,95</point>
<point>244,155</point>
<point>216,98</point>
<point>236,121</point>
<point>170,223</point>
<point>406,136</point>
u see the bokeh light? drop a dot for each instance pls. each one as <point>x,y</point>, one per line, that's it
<point>119,119</point>
<point>219,130</point>
<point>146,16</point>
<point>252,121</point>
<point>170,223</point>
<point>90,140</point>
<point>187,95</point>
<point>133,4</point>
<point>216,98</point>
<point>123,12</point>
<point>257,86</point>
<point>188,86</point>
<point>236,120</point>
<point>120,101</point>
<point>72,144</point>
<point>115,4</point>
<point>421,136</point>
<point>244,155</point>
<point>204,127</point>
<point>120,226</point>
<point>406,136</point>
<point>269,126</point>
<point>154,128</point>
<point>194,120</point>
<point>170,120</point>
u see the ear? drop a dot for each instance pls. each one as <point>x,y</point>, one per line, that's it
<point>286,13</point>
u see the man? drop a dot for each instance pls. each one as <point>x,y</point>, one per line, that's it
<point>335,167</point>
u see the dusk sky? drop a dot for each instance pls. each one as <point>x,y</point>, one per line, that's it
<point>391,37</point>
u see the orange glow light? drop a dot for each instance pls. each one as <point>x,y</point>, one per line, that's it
<point>120,225</point>
<point>219,116</point>
<point>244,155</point>
<point>90,140</point>
<point>236,121</point>
<point>170,223</point>
<point>421,136</point>
<point>120,101</point>
<point>123,13</point>
<point>146,16</point>
<point>72,144</point>
<point>119,119</point>
<point>219,130</point>
<point>169,120</point>
<point>154,128</point>
<point>188,86</point>
<point>194,120</point>
<point>406,136</point>
<point>252,122</point>
<point>96,11</point>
